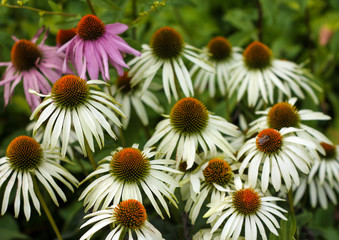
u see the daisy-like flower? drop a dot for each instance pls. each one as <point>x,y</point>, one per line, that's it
<point>130,96</point>
<point>220,53</point>
<point>72,102</point>
<point>247,209</point>
<point>286,114</point>
<point>35,64</point>
<point>323,181</point>
<point>218,174</point>
<point>188,126</point>
<point>259,74</point>
<point>165,51</point>
<point>96,44</point>
<point>277,154</point>
<point>25,161</point>
<point>128,216</point>
<point>124,173</point>
<point>205,234</point>
<point>64,35</point>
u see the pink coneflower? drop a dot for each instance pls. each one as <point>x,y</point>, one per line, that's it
<point>94,45</point>
<point>37,65</point>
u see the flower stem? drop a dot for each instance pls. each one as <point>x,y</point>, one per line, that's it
<point>45,207</point>
<point>90,5</point>
<point>290,201</point>
<point>134,15</point>
<point>90,155</point>
<point>123,234</point>
<point>122,138</point>
<point>259,23</point>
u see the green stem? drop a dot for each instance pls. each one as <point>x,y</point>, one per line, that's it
<point>147,133</point>
<point>90,156</point>
<point>90,5</point>
<point>122,138</point>
<point>83,169</point>
<point>259,23</point>
<point>123,234</point>
<point>134,15</point>
<point>290,201</point>
<point>46,209</point>
<point>40,11</point>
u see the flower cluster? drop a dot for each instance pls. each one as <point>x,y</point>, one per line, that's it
<point>234,178</point>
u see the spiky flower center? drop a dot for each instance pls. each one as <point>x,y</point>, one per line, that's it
<point>24,153</point>
<point>257,55</point>
<point>167,43</point>
<point>130,165</point>
<point>283,115</point>
<point>124,83</point>
<point>246,201</point>
<point>330,150</point>
<point>218,171</point>
<point>269,141</point>
<point>24,55</point>
<point>64,35</point>
<point>220,48</point>
<point>90,27</point>
<point>70,91</point>
<point>131,214</point>
<point>189,115</point>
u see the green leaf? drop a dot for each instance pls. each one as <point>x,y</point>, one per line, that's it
<point>54,6</point>
<point>287,229</point>
<point>107,4</point>
<point>9,229</point>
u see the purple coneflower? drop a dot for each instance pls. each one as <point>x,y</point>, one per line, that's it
<point>37,65</point>
<point>94,45</point>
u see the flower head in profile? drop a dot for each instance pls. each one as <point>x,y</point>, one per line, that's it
<point>189,126</point>
<point>259,74</point>
<point>130,173</point>
<point>247,210</point>
<point>323,181</point>
<point>74,102</point>
<point>220,53</point>
<point>94,45</point>
<point>26,163</point>
<point>36,65</point>
<point>219,176</point>
<point>128,216</point>
<point>130,97</point>
<point>64,35</point>
<point>286,114</point>
<point>277,155</point>
<point>165,50</point>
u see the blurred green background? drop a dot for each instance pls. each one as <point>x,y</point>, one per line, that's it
<point>297,30</point>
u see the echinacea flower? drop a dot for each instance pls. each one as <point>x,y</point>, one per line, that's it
<point>188,126</point>
<point>35,64</point>
<point>74,102</point>
<point>131,97</point>
<point>124,173</point>
<point>220,53</point>
<point>165,50</point>
<point>286,114</point>
<point>96,44</point>
<point>218,174</point>
<point>322,182</point>
<point>276,154</point>
<point>25,161</point>
<point>247,210</point>
<point>259,74</point>
<point>64,35</point>
<point>128,216</point>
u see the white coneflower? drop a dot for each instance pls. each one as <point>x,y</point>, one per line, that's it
<point>220,53</point>
<point>131,97</point>
<point>127,171</point>
<point>74,102</point>
<point>277,154</point>
<point>165,51</point>
<point>26,160</point>
<point>285,114</point>
<point>248,211</point>
<point>188,126</point>
<point>218,174</point>
<point>259,74</point>
<point>128,216</point>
